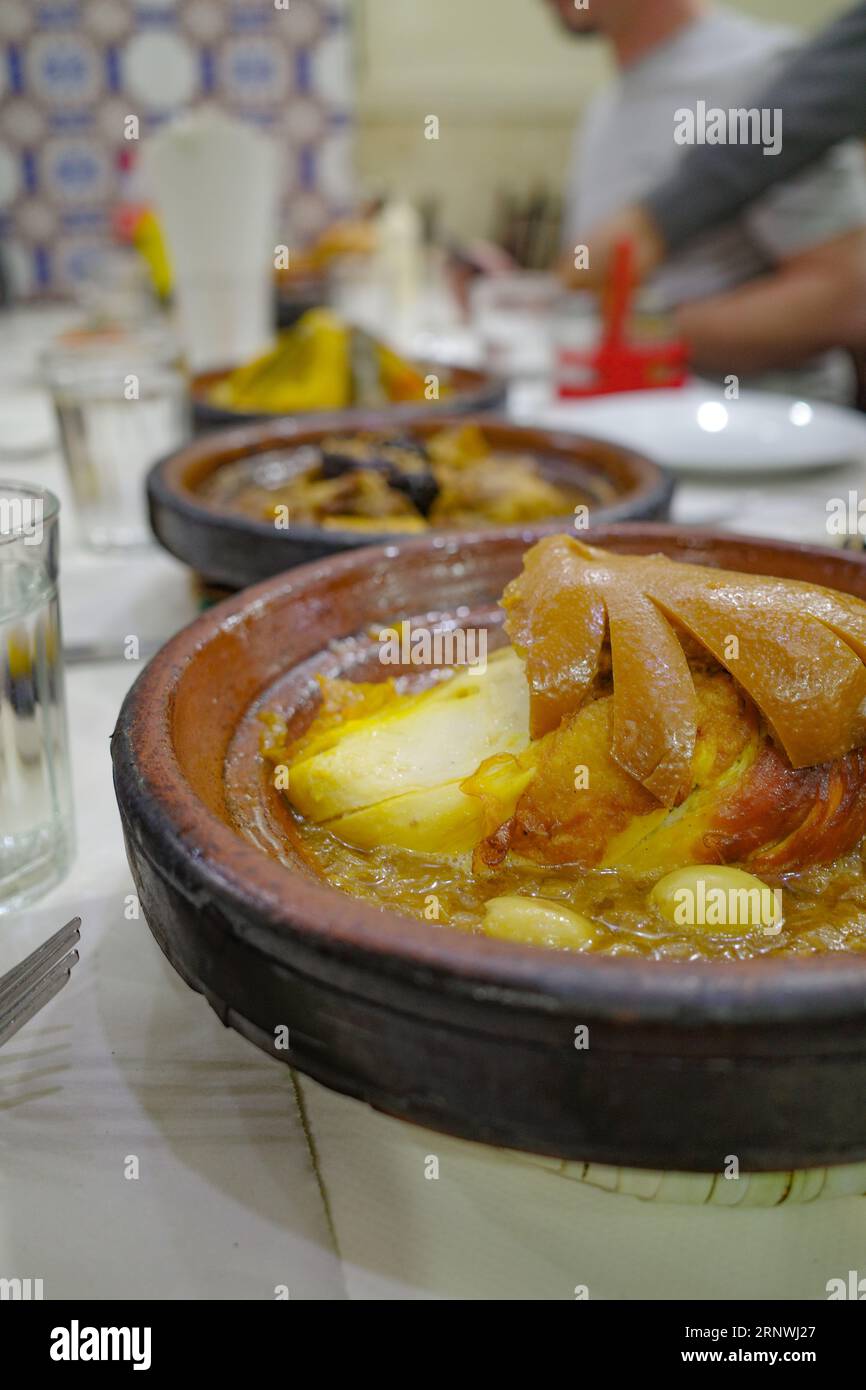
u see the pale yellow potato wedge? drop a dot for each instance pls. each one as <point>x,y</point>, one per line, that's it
<point>437,820</point>
<point>419,744</point>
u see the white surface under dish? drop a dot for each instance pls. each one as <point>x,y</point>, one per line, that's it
<point>697,430</point>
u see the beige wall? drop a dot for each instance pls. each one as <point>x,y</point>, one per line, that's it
<point>506,86</point>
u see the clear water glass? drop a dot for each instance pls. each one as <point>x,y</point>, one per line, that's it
<point>36,822</point>
<point>512,316</point>
<point>121,403</point>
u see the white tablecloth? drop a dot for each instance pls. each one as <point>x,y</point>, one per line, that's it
<point>127,1071</point>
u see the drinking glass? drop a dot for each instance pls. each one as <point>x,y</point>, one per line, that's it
<point>121,404</point>
<point>513,317</point>
<point>36,825</point>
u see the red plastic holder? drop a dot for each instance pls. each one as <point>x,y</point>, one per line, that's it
<point>618,364</point>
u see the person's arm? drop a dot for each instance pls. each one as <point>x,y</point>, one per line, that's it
<point>821,93</point>
<point>814,300</point>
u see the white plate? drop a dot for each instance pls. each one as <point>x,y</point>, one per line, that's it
<point>696,430</point>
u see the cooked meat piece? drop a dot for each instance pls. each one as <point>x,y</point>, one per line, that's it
<point>745,803</point>
<point>500,489</point>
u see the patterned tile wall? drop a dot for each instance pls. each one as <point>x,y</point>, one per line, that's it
<point>73,70</point>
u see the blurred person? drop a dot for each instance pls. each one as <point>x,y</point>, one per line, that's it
<point>822,94</point>
<point>772,294</point>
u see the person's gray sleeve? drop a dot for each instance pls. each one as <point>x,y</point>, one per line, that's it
<point>821,93</point>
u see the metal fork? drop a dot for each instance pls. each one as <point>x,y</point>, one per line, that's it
<point>27,987</point>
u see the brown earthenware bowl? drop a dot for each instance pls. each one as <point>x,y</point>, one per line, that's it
<point>234,550</point>
<point>687,1063</point>
<point>468,389</point>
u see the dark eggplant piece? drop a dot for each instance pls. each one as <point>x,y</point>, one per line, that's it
<point>403,462</point>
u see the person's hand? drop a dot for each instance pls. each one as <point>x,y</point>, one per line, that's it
<point>588,266</point>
